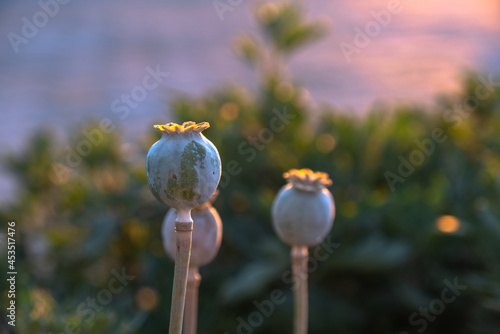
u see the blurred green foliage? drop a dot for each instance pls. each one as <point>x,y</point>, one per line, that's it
<point>76,226</point>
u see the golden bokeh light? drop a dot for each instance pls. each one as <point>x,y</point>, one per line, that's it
<point>448,224</point>
<point>43,304</point>
<point>325,143</point>
<point>146,299</point>
<point>349,209</point>
<point>137,232</point>
<point>229,111</point>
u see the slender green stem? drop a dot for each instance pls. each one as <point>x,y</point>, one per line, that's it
<point>191,307</point>
<point>300,256</point>
<point>184,236</point>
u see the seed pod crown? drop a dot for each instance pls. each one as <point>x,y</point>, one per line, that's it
<point>186,127</point>
<point>307,180</point>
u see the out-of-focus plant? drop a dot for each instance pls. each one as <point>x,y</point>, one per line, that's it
<point>441,222</point>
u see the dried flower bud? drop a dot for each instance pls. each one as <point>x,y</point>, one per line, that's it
<point>183,167</point>
<point>303,210</point>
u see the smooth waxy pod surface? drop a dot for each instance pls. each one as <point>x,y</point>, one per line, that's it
<point>303,210</point>
<point>183,167</point>
<point>207,234</point>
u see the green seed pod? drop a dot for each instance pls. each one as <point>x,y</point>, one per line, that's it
<point>183,167</point>
<point>303,210</point>
<point>207,234</point>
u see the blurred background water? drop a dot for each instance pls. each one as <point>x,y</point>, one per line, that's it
<point>91,52</point>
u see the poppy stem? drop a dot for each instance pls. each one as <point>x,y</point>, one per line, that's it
<point>184,236</point>
<point>191,307</point>
<point>300,255</point>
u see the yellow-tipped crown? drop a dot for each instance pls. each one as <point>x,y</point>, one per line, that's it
<point>307,180</point>
<point>186,127</point>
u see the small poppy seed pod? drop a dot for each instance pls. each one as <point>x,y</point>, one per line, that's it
<point>183,167</point>
<point>207,233</point>
<point>303,210</point>
<point>302,215</point>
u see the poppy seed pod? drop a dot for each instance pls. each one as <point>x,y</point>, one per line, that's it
<point>183,167</point>
<point>207,233</point>
<point>303,210</point>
